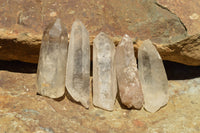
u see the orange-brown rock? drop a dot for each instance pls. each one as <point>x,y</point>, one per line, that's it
<point>186,51</point>
<point>144,19</point>
<point>21,28</point>
<point>187,11</point>
<point>21,110</point>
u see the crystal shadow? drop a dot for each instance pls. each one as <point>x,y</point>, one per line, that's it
<point>177,71</point>
<point>18,66</point>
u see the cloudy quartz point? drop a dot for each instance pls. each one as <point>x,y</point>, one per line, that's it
<point>52,61</point>
<point>104,75</point>
<point>78,64</point>
<point>130,89</point>
<point>153,77</point>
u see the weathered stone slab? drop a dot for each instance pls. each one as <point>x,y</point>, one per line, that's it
<point>153,77</point>
<point>78,64</point>
<point>21,28</point>
<point>185,51</point>
<point>144,19</point>
<point>23,111</point>
<point>130,89</point>
<point>187,11</point>
<point>52,61</point>
<point>104,74</point>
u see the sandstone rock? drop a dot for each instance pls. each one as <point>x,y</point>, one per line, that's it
<point>104,74</point>
<point>188,12</point>
<point>21,28</point>
<point>52,61</point>
<point>185,51</point>
<point>130,89</point>
<point>153,77</point>
<point>21,110</point>
<point>78,64</point>
<point>144,19</point>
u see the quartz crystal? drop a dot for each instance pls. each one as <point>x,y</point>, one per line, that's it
<point>52,61</point>
<point>153,77</point>
<point>130,89</point>
<point>104,75</point>
<point>78,64</point>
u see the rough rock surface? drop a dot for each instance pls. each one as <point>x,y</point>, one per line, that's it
<point>21,28</point>
<point>187,11</point>
<point>186,51</point>
<point>146,18</point>
<point>25,47</point>
<point>21,110</point>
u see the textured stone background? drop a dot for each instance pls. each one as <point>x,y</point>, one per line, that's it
<point>187,11</point>
<point>164,22</point>
<point>21,26</point>
<point>22,111</point>
<point>144,19</point>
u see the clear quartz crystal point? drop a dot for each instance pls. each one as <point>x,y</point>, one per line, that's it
<point>153,77</point>
<point>78,64</point>
<point>52,61</point>
<point>104,75</point>
<point>130,89</point>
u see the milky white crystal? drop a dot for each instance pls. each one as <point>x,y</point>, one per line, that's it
<point>78,64</point>
<point>104,75</point>
<point>52,61</point>
<point>153,77</point>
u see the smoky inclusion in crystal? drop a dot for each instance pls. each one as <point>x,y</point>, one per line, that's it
<point>78,64</point>
<point>52,61</point>
<point>104,75</point>
<point>130,89</point>
<point>153,77</point>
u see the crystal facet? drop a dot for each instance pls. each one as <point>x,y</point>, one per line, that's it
<point>153,77</point>
<point>78,65</point>
<point>104,75</point>
<point>130,89</point>
<point>52,61</point>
